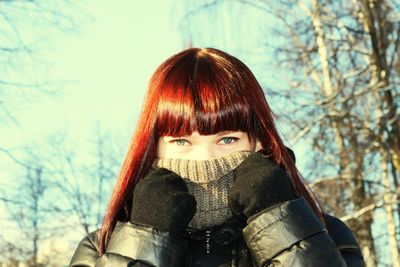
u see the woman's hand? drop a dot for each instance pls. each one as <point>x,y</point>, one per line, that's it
<point>162,200</point>
<point>260,184</point>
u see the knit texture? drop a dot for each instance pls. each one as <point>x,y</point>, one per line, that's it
<point>208,181</point>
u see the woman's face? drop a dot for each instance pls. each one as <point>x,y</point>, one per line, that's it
<point>202,147</point>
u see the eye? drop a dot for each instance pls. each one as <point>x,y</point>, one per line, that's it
<point>179,142</point>
<point>228,140</point>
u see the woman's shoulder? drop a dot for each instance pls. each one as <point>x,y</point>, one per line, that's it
<point>87,250</point>
<point>340,232</point>
<point>91,240</point>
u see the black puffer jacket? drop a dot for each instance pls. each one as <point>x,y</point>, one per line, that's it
<point>288,234</point>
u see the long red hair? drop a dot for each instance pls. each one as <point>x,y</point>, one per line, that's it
<point>204,90</point>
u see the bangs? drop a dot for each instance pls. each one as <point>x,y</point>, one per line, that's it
<point>200,95</point>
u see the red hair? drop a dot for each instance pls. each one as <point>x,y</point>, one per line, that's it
<point>204,90</point>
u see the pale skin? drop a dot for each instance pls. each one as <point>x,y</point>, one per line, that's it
<point>204,147</point>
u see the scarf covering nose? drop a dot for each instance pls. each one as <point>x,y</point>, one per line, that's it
<point>208,181</point>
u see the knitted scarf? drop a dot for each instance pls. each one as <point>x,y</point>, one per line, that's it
<point>208,181</point>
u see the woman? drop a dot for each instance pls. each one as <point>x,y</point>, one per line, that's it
<point>207,181</point>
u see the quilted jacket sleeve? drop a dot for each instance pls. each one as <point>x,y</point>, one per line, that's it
<point>289,234</point>
<point>131,245</point>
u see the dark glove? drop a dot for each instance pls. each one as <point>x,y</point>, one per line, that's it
<point>260,184</point>
<point>162,200</point>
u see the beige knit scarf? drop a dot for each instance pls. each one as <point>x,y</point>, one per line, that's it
<point>208,181</point>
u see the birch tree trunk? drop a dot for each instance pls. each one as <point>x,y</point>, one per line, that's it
<point>388,202</point>
<point>363,224</point>
<point>372,12</point>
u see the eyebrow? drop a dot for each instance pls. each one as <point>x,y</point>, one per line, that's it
<point>169,137</point>
<point>226,132</point>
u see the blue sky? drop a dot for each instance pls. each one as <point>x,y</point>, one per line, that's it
<point>104,68</point>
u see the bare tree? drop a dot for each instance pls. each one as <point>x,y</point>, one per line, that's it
<point>84,178</point>
<point>62,192</point>
<point>30,212</point>
<point>25,27</point>
<point>38,202</point>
